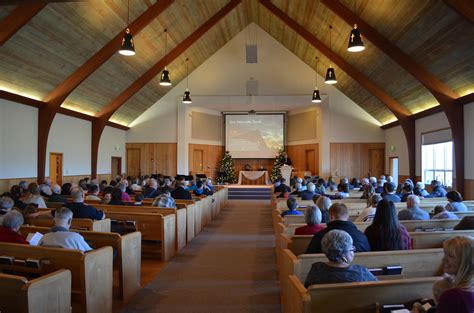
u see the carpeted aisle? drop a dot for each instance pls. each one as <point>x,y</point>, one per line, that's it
<point>229,267</point>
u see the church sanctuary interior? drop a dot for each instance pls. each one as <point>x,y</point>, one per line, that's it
<point>201,156</point>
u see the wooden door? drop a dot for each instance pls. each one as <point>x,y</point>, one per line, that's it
<point>376,162</point>
<point>310,161</point>
<point>133,162</point>
<point>116,167</point>
<point>198,161</point>
<point>56,168</point>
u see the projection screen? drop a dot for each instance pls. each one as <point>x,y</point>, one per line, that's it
<point>254,136</point>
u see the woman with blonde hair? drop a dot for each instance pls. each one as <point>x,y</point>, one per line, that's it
<point>456,292</point>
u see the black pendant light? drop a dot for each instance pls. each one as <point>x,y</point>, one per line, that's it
<point>187,94</point>
<point>128,47</point>
<point>316,95</point>
<point>165,75</point>
<point>330,74</point>
<point>355,41</point>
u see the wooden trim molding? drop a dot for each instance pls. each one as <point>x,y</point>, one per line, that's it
<point>18,18</point>
<point>397,108</point>
<point>463,8</point>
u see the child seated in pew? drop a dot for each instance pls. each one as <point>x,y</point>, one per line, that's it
<point>292,205</point>
<point>60,236</point>
<point>440,213</point>
<point>338,247</point>
<point>164,201</point>
<point>455,203</point>
<point>10,226</point>
<point>368,214</point>
<point>116,198</point>
<point>312,217</point>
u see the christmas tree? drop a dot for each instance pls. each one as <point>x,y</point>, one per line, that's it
<point>227,170</point>
<point>279,161</point>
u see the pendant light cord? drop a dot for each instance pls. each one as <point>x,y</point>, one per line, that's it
<point>166,42</point>
<point>128,13</point>
<point>330,44</point>
<point>187,72</point>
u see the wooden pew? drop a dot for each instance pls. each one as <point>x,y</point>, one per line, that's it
<point>153,227</point>
<point>414,263</point>
<point>127,260</point>
<point>180,215</point>
<point>198,213</point>
<point>77,223</point>
<point>49,293</point>
<point>91,272</point>
<point>190,219</point>
<point>355,297</point>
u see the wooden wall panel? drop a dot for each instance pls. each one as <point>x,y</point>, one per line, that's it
<point>352,159</point>
<point>305,157</point>
<point>209,160</point>
<point>156,158</point>
<point>468,189</point>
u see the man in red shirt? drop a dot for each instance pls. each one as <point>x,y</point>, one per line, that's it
<point>9,231</point>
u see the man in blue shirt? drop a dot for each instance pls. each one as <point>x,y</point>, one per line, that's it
<point>292,207</point>
<point>413,212</point>
<point>438,190</point>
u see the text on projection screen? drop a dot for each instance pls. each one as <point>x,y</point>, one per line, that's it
<point>254,136</point>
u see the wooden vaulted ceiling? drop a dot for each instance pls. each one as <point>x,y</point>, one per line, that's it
<point>62,36</point>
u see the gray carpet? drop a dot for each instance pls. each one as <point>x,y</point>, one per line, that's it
<point>229,267</point>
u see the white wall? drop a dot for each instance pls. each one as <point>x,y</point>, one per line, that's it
<point>427,124</point>
<point>18,139</point>
<point>213,87</point>
<point>396,146</point>
<point>469,141</point>
<point>112,143</point>
<point>72,137</point>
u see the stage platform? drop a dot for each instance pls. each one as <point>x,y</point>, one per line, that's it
<point>250,192</point>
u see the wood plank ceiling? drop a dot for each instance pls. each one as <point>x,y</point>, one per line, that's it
<point>64,35</point>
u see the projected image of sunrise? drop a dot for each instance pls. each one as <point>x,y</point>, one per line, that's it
<point>254,136</point>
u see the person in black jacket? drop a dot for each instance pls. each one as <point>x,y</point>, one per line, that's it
<point>339,219</point>
<point>180,192</point>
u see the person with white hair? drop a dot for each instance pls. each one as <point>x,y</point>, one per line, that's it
<point>373,181</point>
<point>6,205</point>
<point>413,211</point>
<point>419,190</point>
<point>208,185</point>
<point>45,188</point>
<point>309,193</point>
<point>152,191</point>
<point>123,189</point>
<point>11,224</point>
<point>56,195</point>
<point>34,196</point>
<point>312,217</point>
<point>80,209</point>
<point>338,246</point>
<point>59,236</point>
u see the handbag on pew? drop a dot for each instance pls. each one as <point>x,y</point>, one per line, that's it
<point>123,227</point>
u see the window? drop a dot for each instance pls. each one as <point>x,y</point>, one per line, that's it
<point>437,163</point>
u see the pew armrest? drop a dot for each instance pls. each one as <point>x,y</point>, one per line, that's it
<point>131,251</point>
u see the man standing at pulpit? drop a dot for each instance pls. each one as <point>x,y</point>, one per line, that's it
<point>286,159</point>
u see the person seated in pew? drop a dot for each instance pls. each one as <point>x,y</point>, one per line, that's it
<point>164,201</point>
<point>389,193</point>
<point>355,183</point>
<point>413,212</point>
<point>343,191</point>
<point>56,195</point>
<point>80,209</point>
<point>34,197</point>
<point>292,205</point>
<point>339,219</point>
<point>122,186</point>
<point>323,203</point>
<point>6,205</point>
<point>312,217</point>
<point>10,226</point>
<point>455,203</point>
<point>128,189</point>
<point>45,188</point>
<point>440,213</point>
<point>24,188</point>
<point>282,187</point>
<point>338,247</point>
<point>103,185</point>
<point>167,185</point>
<point>437,190</point>
<point>199,188</point>
<point>331,184</point>
<point>299,188</point>
<point>419,190</point>
<point>368,214</point>
<point>15,194</point>
<point>367,191</point>
<point>152,191</point>
<point>116,198</point>
<point>66,189</point>
<point>180,193</point>
<point>107,195</point>
<point>60,236</point>
<point>386,233</point>
<point>309,193</point>
<point>209,186</point>
<point>320,186</point>
<point>136,186</point>
<point>407,191</point>
<point>455,292</point>
<point>466,223</point>
<point>380,184</point>
<point>93,193</point>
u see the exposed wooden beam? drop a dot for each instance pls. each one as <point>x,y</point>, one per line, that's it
<point>443,94</point>
<point>18,18</point>
<point>33,2</point>
<point>400,112</point>
<point>57,96</point>
<point>416,116</point>
<point>469,98</point>
<point>114,105</point>
<point>463,8</point>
